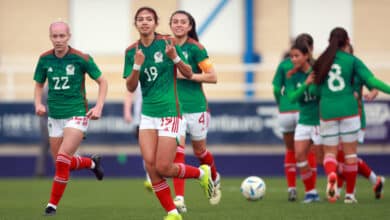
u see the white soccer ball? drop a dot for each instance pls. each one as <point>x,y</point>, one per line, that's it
<point>253,188</point>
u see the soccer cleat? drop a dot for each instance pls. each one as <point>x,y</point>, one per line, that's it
<point>378,188</point>
<point>148,186</point>
<point>49,211</point>
<point>98,169</point>
<point>311,197</point>
<point>216,196</point>
<point>292,195</point>
<point>180,205</point>
<point>206,182</point>
<point>173,216</point>
<point>331,188</point>
<point>349,199</point>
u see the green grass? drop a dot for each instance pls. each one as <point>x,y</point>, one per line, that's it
<point>127,199</point>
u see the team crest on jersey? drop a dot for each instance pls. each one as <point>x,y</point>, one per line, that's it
<point>70,69</point>
<point>158,57</point>
<point>185,54</point>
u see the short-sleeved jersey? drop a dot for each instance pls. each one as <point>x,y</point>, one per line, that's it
<point>279,81</point>
<point>191,95</point>
<point>66,80</point>
<point>337,99</point>
<point>157,78</point>
<point>308,103</point>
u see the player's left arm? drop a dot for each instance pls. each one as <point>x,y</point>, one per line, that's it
<point>208,74</point>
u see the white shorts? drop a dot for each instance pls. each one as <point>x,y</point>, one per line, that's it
<point>288,121</point>
<point>308,132</point>
<point>196,124</point>
<point>167,126</point>
<point>361,136</point>
<point>56,126</point>
<point>345,130</point>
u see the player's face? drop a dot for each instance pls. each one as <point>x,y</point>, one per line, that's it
<point>59,36</point>
<point>297,57</point>
<point>180,25</point>
<point>145,23</point>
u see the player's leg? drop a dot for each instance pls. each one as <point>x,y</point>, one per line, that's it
<point>179,183</point>
<point>330,139</point>
<point>287,123</point>
<point>340,168</point>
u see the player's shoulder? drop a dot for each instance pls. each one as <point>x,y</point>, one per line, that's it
<point>132,46</point>
<point>47,53</point>
<point>195,43</point>
<point>78,53</point>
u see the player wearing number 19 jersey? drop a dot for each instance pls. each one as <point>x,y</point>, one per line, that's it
<point>340,120</point>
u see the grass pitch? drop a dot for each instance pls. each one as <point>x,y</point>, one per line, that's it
<point>127,199</point>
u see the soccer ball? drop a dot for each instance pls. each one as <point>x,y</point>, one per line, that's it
<point>253,188</point>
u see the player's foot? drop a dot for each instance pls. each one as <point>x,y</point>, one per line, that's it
<point>180,205</point>
<point>49,211</point>
<point>148,186</point>
<point>98,169</point>
<point>206,182</point>
<point>292,195</point>
<point>311,197</point>
<point>173,216</point>
<point>331,187</point>
<point>349,199</point>
<point>378,188</point>
<point>216,196</point>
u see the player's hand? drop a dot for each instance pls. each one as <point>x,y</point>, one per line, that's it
<point>371,95</point>
<point>310,79</point>
<point>170,49</point>
<point>40,110</point>
<point>128,118</point>
<point>94,113</point>
<point>139,56</point>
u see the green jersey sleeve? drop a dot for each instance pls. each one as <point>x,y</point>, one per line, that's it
<point>92,69</point>
<point>40,73</point>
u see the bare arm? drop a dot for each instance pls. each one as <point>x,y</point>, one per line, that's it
<point>132,80</point>
<point>96,112</point>
<point>127,105</point>
<point>40,109</point>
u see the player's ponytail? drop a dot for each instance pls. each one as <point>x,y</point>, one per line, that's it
<point>337,40</point>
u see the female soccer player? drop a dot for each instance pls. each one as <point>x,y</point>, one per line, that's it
<point>65,69</point>
<point>340,120</point>
<point>288,117</point>
<point>194,104</point>
<point>307,130</point>
<point>153,61</point>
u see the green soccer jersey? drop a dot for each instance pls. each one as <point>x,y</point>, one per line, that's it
<point>358,84</point>
<point>157,78</point>
<point>191,95</point>
<point>308,103</point>
<point>66,80</point>
<point>279,83</point>
<point>337,99</point>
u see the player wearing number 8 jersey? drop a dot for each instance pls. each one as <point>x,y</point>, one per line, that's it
<point>65,68</point>
<point>340,120</point>
<point>153,61</point>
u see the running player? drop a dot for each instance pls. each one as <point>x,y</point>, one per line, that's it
<point>153,61</point>
<point>194,104</point>
<point>64,68</point>
<point>340,120</point>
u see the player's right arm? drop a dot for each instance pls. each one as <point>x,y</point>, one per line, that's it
<point>133,66</point>
<point>40,109</point>
<point>278,82</point>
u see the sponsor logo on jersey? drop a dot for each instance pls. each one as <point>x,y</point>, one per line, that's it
<point>50,70</point>
<point>70,69</point>
<point>158,57</point>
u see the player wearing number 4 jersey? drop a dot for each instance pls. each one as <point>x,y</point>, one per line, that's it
<point>340,119</point>
<point>193,101</point>
<point>65,68</point>
<point>153,61</point>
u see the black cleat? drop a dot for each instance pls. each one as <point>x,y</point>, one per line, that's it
<point>292,195</point>
<point>50,211</point>
<point>98,170</point>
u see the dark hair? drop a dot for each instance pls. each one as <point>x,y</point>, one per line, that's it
<point>338,39</point>
<point>305,37</point>
<point>149,9</point>
<point>192,33</point>
<point>301,46</point>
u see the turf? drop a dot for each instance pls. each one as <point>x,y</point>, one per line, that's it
<point>127,199</point>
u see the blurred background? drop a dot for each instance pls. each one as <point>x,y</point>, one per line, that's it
<point>245,39</point>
